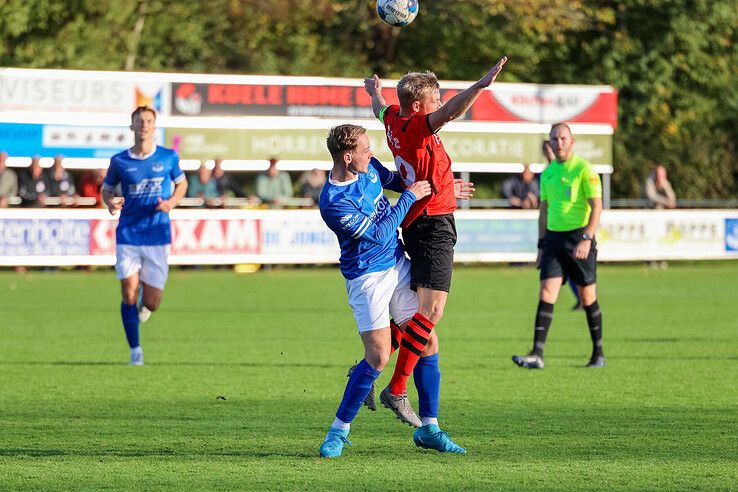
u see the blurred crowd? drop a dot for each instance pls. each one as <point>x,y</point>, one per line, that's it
<point>210,186</point>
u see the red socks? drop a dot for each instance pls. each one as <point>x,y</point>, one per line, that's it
<point>396,336</point>
<point>414,339</point>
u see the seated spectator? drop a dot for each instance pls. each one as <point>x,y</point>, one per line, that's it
<point>311,184</point>
<point>225,183</point>
<point>657,190</point>
<point>273,186</point>
<point>90,185</point>
<point>522,190</point>
<point>33,185</point>
<point>8,181</point>
<point>203,185</point>
<point>61,183</point>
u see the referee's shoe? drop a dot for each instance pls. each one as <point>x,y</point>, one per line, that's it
<point>530,361</point>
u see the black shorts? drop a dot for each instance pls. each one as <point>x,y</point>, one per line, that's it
<point>558,258</point>
<point>429,241</point>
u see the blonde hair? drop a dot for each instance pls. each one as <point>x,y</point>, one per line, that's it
<point>344,138</point>
<point>415,86</point>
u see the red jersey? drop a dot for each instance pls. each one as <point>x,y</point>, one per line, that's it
<point>419,155</point>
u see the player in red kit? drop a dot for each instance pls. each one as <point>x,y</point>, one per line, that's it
<point>428,230</point>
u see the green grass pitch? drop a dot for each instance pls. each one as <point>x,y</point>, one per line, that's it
<point>244,373</point>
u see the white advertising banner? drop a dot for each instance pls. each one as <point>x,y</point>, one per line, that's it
<point>40,237</point>
<point>80,91</point>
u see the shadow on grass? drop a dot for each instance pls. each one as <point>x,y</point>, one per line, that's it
<point>176,364</point>
<point>162,453</point>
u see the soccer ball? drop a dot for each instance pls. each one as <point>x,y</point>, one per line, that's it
<point>397,13</point>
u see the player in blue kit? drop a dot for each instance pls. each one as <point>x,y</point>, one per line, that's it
<point>152,184</point>
<point>377,276</point>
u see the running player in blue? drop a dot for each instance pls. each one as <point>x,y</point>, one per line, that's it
<point>377,275</point>
<point>152,184</point>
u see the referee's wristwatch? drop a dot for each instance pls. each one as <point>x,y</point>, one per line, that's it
<point>587,237</point>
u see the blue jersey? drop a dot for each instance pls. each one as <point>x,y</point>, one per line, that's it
<point>365,223</point>
<point>143,182</point>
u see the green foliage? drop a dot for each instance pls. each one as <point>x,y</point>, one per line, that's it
<point>674,62</point>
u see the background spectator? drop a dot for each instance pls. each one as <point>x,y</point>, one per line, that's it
<point>225,183</point>
<point>658,191</point>
<point>311,184</point>
<point>273,185</point>
<point>61,182</point>
<point>91,183</point>
<point>203,185</point>
<point>33,186</point>
<point>522,190</point>
<point>8,181</point>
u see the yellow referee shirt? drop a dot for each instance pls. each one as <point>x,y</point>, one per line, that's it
<point>567,187</point>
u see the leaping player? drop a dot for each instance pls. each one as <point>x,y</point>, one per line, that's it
<point>377,275</point>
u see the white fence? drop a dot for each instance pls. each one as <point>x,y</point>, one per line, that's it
<point>48,237</point>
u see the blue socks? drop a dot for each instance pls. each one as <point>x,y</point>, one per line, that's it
<point>427,376</point>
<point>129,313</point>
<point>357,389</point>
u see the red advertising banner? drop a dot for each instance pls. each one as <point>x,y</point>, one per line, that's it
<point>191,236</point>
<point>501,103</point>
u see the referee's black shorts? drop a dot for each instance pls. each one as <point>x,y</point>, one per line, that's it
<point>558,260</point>
<point>429,241</point>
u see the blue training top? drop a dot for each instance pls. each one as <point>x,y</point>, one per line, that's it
<point>143,182</point>
<point>365,223</point>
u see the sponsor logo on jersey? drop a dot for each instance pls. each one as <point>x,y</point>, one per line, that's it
<point>146,187</point>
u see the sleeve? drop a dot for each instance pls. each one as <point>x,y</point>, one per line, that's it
<point>24,190</point>
<point>382,113</point>
<point>112,179</point>
<point>591,183</point>
<point>71,190</point>
<point>390,181</point>
<point>286,181</point>
<point>13,188</point>
<point>176,172</point>
<point>507,188</point>
<point>345,219</point>
<point>542,189</point>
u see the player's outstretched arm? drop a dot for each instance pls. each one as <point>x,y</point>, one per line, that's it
<point>373,87</point>
<point>461,102</point>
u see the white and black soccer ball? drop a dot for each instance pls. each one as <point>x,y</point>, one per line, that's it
<point>397,13</point>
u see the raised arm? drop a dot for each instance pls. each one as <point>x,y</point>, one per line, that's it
<point>373,87</point>
<point>461,102</point>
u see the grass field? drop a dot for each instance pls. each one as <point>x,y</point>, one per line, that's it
<point>276,345</point>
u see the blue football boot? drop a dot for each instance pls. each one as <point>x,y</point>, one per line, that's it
<point>332,447</point>
<point>432,437</point>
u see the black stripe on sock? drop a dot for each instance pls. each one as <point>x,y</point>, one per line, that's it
<point>421,325</point>
<point>411,347</point>
<point>418,338</point>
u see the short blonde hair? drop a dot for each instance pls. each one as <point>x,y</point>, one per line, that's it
<point>344,138</point>
<point>414,86</point>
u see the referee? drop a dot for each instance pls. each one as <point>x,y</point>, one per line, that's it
<point>571,204</point>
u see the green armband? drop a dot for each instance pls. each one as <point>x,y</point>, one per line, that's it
<point>381,113</point>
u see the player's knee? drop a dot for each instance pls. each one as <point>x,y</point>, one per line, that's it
<point>432,346</point>
<point>377,359</point>
<point>434,314</point>
<point>152,304</point>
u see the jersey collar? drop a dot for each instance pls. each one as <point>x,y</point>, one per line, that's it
<point>141,157</point>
